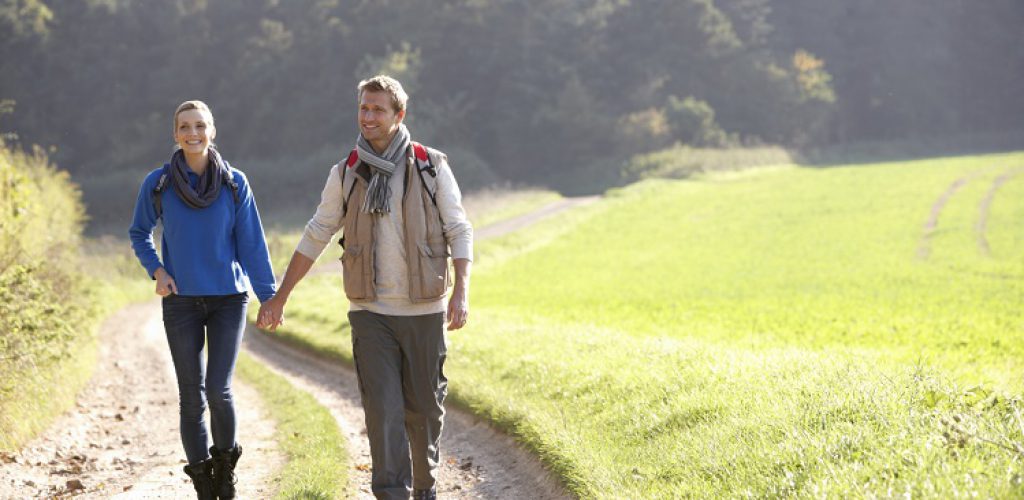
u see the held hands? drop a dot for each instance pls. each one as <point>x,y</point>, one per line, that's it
<point>165,284</point>
<point>271,313</point>
<point>458,308</point>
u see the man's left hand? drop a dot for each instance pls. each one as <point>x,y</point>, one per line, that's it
<point>458,308</point>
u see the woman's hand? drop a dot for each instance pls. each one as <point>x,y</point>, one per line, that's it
<point>165,284</point>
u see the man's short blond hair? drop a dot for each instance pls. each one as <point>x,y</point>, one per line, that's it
<point>384,83</point>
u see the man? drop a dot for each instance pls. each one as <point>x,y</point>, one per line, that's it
<point>401,211</point>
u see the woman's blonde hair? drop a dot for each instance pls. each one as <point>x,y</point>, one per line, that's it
<point>187,105</point>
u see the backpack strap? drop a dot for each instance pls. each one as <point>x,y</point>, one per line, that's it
<point>424,164</point>
<point>158,191</point>
<point>165,180</point>
<point>230,181</point>
<point>350,164</point>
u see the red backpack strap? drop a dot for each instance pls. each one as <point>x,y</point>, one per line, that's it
<point>423,159</point>
<point>420,151</point>
<point>353,158</point>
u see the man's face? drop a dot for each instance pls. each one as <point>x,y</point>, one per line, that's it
<point>378,120</point>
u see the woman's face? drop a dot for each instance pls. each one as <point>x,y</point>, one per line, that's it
<point>194,131</point>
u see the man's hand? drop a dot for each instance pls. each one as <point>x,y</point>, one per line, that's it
<point>165,284</point>
<point>458,308</point>
<point>458,304</point>
<point>271,313</point>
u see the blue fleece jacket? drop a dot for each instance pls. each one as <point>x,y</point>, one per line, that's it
<point>208,251</point>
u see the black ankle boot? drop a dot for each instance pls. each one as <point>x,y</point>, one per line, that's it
<point>202,479</point>
<point>224,470</point>
<point>430,494</point>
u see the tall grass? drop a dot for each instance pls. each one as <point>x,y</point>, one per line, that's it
<point>46,338</point>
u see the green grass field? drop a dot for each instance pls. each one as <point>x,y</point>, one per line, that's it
<point>775,332</point>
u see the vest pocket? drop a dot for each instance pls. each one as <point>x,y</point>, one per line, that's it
<point>353,263</point>
<point>433,267</point>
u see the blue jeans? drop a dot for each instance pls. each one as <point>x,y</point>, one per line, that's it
<point>217,321</point>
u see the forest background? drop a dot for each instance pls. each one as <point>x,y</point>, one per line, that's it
<point>556,93</point>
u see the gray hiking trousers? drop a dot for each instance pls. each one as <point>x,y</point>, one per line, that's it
<point>400,361</point>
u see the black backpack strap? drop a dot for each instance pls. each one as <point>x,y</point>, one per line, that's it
<point>158,191</point>
<point>230,181</point>
<point>165,180</point>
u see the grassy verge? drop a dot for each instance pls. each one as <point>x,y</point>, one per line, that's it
<point>764,333</point>
<point>318,461</point>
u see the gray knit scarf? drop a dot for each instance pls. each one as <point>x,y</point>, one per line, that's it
<point>208,188</point>
<point>379,192</point>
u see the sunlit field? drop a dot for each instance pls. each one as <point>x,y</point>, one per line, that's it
<point>846,331</point>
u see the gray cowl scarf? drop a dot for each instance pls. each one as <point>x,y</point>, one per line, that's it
<point>208,188</point>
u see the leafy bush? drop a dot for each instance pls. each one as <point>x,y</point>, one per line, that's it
<point>42,304</point>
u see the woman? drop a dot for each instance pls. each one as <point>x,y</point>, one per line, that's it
<point>212,243</point>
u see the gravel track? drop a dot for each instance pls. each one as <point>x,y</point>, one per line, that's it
<point>121,439</point>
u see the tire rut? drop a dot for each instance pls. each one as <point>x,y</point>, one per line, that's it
<point>985,207</point>
<point>924,243</point>
<point>476,460</point>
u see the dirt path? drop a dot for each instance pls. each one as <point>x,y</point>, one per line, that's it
<point>492,231</point>
<point>121,440</point>
<point>476,460</point>
<point>516,223</point>
<point>985,206</point>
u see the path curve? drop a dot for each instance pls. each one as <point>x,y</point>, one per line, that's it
<point>121,439</point>
<point>516,223</point>
<point>476,460</point>
<point>493,230</point>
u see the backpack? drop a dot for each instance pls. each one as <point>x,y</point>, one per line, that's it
<point>165,180</point>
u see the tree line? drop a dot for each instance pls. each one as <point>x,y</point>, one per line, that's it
<point>542,91</point>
